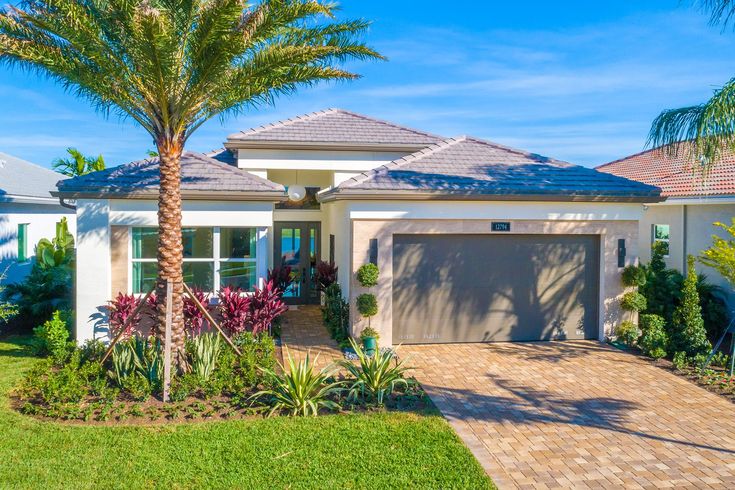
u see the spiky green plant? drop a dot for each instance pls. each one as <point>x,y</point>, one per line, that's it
<point>171,65</point>
<point>147,358</point>
<point>301,389</point>
<point>122,362</point>
<point>206,349</point>
<point>704,131</point>
<point>375,376</point>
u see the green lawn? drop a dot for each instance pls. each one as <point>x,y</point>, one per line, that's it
<point>340,451</point>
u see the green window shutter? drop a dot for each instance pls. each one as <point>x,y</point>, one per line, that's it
<point>22,242</point>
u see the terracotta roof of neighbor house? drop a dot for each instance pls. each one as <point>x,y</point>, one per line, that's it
<point>472,168</point>
<point>22,179</point>
<point>201,176</point>
<point>334,127</point>
<point>676,174</point>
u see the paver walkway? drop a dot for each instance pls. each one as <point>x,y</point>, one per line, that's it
<point>578,415</point>
<point>303,331</point>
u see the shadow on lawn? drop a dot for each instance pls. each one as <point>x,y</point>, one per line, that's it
<point>526,405</point>
<point>22,346</point>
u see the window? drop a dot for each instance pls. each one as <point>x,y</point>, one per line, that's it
<point>22,242</point>
<point>212,256</point>
<point>661,233</point>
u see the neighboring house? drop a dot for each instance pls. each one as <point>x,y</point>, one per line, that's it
<point>28,213</point>
<point>475,241</point>
<point>684,221</point>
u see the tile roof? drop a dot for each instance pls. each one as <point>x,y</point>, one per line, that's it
<point>25,179</point>
<point>676,174</point>
<point>470,166</point>
<point>199,174</point>
<point>338,127</point>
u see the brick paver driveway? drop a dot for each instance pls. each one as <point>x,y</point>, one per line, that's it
<point>578,414</point>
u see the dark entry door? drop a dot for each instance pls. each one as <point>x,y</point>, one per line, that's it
<point>484,288</point>
<point>297,245</point>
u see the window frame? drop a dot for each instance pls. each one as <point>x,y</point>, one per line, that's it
<point>654,240</point>
<point>216,258</point>
<point>22,239</point>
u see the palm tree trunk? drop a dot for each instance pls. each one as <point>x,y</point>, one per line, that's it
<point>170,247</point>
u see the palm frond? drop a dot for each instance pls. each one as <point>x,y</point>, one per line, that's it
<point>704,131</point>
<point>721,11</point>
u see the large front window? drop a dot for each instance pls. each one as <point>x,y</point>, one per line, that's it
<point>212,256</point>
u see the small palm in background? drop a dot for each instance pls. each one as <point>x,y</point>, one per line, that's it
<point>78,164</point>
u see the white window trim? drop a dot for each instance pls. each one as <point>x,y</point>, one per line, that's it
<point>260,272</point>
<point>664,240</point>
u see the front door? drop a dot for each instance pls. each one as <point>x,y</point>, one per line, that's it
<point>297,246</point>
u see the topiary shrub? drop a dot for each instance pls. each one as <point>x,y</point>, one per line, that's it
<point>633,301</point>
<point>634,276</point>
<point>367,305</point>
<point>367,275</point>
<point>628,332</point>
<point>654,341</point>
<point>688,332</point>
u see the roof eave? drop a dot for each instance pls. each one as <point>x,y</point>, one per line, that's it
<point>16,198</point>
<point>270,196</point>
<point>233,144</point>
<point>403,195</point>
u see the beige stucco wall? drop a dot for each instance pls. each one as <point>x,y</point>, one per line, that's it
<point>363,230</point>
<point>691,232</point>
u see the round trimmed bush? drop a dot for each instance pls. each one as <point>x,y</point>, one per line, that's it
<point>654,340</point>
<point>367,275</point>
<point>367,305</point>
<point>628,332</point>
<point>633,301</point>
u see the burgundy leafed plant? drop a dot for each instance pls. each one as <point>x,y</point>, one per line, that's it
<point>281,277</point>
<point>121,308</point>
<point>265,306</point>
<point>234,308</point>
<point>326,275</point>
<point>193,316</point>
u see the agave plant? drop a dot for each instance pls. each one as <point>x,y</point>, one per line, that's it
<point>147,358</point>
<point>122,362</point>
<point>375,376</point>
<point>301,390</point>
<point>206,349</point>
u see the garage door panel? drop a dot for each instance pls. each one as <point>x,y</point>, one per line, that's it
<point>481,288</point>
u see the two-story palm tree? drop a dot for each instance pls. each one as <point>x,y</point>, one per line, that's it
<point>171,65</point>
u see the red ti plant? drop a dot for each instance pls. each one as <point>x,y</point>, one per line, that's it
<point>326,275</point>
<point>234,307</point>
<point>121,308</point>
<point>281,277</point>
<point>193,316</point>
<point>265,306</point>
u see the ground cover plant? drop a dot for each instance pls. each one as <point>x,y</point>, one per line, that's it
<point>390,449</point>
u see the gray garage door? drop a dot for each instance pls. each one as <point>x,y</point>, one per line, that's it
<point>484,288</point>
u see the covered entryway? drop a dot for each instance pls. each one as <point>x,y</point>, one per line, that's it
<point>484,288</point>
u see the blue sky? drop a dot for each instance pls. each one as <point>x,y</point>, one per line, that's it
<point>579,81</point>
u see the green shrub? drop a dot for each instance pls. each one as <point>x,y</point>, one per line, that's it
<point>633,301</point>
<point>137,386</point>
<point>367,275</point>
<point>183,386</point>
<point>367,305</point>
<point>52,337</point>
<point>680,360</point>
<point>720,359</point>
<point>92,350</point>
<point>653,341</point>
<point>300,390</point>
<point>628,332</point>
<point>257,353</point>
<point>336,313</point>
<point>369,333</point>
<point>688,332</point>
<point>633,276</point>
<point>375,377</point>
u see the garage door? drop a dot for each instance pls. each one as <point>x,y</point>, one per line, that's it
<point>484,288</point>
